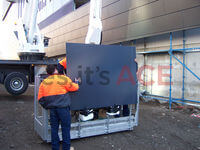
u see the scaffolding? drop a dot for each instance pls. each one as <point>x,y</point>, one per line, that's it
<point>171,51</point>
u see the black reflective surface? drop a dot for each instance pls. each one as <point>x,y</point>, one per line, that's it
<point>108,74</point>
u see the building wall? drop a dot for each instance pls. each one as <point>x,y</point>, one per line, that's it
<point>145,24</point>
<point>123,21</point>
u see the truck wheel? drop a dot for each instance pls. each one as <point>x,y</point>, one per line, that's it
<point>16,83</point>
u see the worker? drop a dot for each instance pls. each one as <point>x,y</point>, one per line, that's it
<point>125,107</point>
<point>62,65</point>
<point>54,95</point>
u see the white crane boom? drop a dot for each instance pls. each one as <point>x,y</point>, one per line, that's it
<point>95,23</point>
<point>31,40</point>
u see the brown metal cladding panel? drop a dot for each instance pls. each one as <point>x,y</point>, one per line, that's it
<point>84,31</point>
<point>56,50</point>
<point>78,24</point>
<point>135,15</point>
<point>115,35</point>
<point>114,9</point>
<point>62,38</point>
<point>144,18</point>
<point>177,5</point>
<point>108,2</point>
<point>66,29</point>
<point>155,9</point>
<point>60,31</point>
<point>123,6</point>
<point>71,27</point>
<point>61,48</point>
<point>79,40</point>
<point>55,33</point>
<point>77,34</point>
<point>145,28</point>
<point>139,28</point>
<point>74,37</point>
<point>144,12</point>
<point>54,41</point>
<point>168,23</point>
<point>75,24</point>
<point>192,17</point>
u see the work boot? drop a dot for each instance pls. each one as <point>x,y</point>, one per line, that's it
<point>114,111</point>
<point>71,148</point>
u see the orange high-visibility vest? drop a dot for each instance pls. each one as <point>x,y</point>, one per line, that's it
<point>53,91</point>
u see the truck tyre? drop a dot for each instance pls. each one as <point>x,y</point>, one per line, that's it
<point>16,83</point>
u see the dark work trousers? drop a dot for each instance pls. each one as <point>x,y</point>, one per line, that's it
<point>60,115</point>
<point>125,110</point>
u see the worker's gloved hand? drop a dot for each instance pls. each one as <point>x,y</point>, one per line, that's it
<point>77,80</point>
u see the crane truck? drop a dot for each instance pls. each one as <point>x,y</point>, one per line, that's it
<point>17,74</point>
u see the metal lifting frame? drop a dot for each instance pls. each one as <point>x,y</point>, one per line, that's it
<point>170,99</point>
<point>82,129</point>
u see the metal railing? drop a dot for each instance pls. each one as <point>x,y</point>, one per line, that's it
<point>83,129</point>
